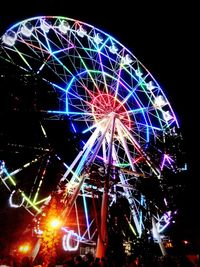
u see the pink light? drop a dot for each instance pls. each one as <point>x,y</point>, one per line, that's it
<point>168,159</point>
<point>105,104</point>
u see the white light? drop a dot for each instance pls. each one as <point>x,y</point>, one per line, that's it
<point>2,166</point>
<point>66,241</point>
<point>138,73</point>
<point>27,29</point>
<point>185,167</point>
<point>38,232</point>
<point>150,86</point>
<point>160,101</point>
<point>113,49</point>
<point>167,116</point>
<point>64,26</point>
<point>12,204</point>
<point>81,32</point>
<point>98,39</point>
<point>127,60</point>
<point>45,26</point>
<point>9,38</point>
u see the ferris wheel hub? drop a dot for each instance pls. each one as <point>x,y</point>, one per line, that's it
<point>106,105</point>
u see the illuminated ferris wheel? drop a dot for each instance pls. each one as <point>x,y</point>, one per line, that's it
<point>120,114</point>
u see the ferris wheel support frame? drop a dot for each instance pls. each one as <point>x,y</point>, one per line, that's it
<point>102,242</point>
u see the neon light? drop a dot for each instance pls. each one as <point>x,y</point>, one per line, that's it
<point>102,46</point>
<point>27,29</point>
<point>138,73</point>
<point>98,71</point>
<point>9,176</point>
<point>98,39</point>
<point>2,166</point>
<point>130,225</point>
<point>31,203</point>
<point>9,38</point>
<point>150,86</point>
<point>167,116</point>
<point>66,241</point>
<point>168,159</point>
<point>81,31</point>
<point>86,212</point>
<point>23,58</point>
<point>69,113</point>
<point>11,201</point>
<point>140,215</point>
<point>41,182</point>
<point>103,73</point>
<point>45,200</point>
<point>73,127</point>
<point>64,26</point>
<point>126,60</point>
<point>113,49</point>
<point>45,26</point>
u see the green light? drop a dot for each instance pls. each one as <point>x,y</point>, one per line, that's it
<point>30,202</point>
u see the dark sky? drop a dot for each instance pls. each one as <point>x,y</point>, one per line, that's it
<point>164,38</point>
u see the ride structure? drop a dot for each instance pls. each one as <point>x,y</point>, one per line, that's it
<point>117,120</point>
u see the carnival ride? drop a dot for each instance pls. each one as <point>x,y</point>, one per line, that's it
<point>93,127</point>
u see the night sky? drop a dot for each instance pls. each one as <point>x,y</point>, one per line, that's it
<point>164,38</point>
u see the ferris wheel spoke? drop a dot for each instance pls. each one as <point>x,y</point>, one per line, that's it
<point>118,81</point>
<point>88,71</point>
<point>137,146</point>
<point>125,145</point>
<point>76,181</point>
<point>89,143</point>
<point>103,72</point>
<point>127,190</point>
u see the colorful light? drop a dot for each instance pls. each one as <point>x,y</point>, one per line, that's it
<point>70,241</point>
<point>95,78</point>
<point>24,248</point>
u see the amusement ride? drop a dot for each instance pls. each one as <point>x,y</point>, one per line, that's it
<point>76,83</point>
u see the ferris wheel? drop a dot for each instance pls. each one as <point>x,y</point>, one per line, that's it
<point>83,76</point>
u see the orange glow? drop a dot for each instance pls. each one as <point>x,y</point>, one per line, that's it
<point>54,223</point>
<point>24,248</point>
<point>169,244</point>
